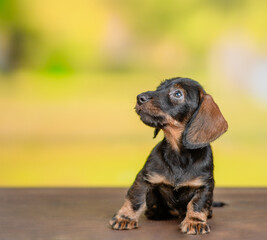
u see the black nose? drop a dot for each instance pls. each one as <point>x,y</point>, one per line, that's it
<point>142,98</point>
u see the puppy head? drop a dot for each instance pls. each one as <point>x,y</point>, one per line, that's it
<point>182,109</point>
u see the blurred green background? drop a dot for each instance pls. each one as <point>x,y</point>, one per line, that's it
<point>71,70</point>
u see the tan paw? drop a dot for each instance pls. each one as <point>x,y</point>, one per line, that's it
<point>123,223</point>
<point>194,227</point>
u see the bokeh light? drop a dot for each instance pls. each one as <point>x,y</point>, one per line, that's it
<point>71,70</point>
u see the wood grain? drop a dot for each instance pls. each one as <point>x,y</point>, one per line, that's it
<point>84,213</point>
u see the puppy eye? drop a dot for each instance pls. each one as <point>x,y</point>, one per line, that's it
<point>178,94</point>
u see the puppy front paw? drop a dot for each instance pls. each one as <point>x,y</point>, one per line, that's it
<point>122,222</point>
<point>194,227</point>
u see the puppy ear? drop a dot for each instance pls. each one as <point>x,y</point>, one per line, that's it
<point>156,131</point>
<point>206,124</point>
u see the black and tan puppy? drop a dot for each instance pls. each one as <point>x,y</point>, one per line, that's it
<point>177,179</point>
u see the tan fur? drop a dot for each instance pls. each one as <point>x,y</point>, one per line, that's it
<point>195,182</point>
<point>173,129</point>
<point>173,132</point>
<point>174,212</point>
<point>173,135</point>
<point>179,87</point>
<point>209,123</point>
<point>155,178</point>
<point>150,108</point>
<point>192,214</point>
<point>126,218</point>
<point>195,221</point>
<point>123,224</point>
<point>127,210</point>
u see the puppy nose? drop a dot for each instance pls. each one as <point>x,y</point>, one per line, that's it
<point>142,98</point>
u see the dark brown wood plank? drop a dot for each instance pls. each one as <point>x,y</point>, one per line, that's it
<point>83,213</point>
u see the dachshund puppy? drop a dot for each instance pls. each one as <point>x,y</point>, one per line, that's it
<point>177,178</point>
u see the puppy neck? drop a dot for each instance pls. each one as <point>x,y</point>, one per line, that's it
<point>173,134</point>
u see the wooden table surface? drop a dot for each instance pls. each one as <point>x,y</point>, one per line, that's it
<point>83,213</point>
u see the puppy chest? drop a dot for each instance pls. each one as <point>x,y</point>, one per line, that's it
<point>155,178</point>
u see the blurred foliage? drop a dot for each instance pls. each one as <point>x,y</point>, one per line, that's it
<point>71,71</point>
<point>82,32</point>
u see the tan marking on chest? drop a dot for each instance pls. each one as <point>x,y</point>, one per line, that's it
<point>195,182</point>
<point>173,132</point>
<point>173,136</point>
<point>156,178</point>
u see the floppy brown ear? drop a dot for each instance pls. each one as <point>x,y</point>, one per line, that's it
<point>206,124</point>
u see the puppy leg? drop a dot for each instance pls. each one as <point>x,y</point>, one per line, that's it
<point>157,206</point>
<point>134,205</point>
<point>197,213</point>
